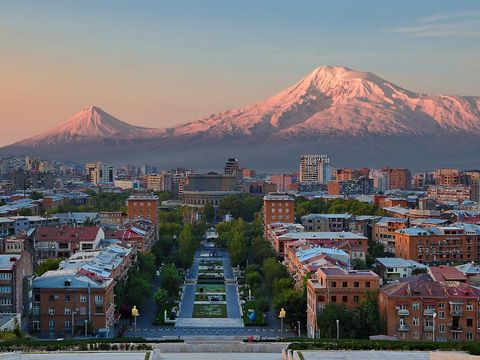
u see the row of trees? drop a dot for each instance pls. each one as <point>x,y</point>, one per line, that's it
<point>358,323</point>
<point>303,206</point>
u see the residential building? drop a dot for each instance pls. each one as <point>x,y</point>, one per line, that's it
<point>16,271</point>
<point>447,177</point>
<point>445,194</point>
<point>421,308</point>
<point>393,269</point>
<point>384,231</point>
<point>143,207</point>
<point>327,222</point>
<point>315,169</point>
<point>338,286</point>
<point>437,245</point>
<point>100,173</point>
<point>278,207</point>
<point>398,178</point>
<point>232,167</point>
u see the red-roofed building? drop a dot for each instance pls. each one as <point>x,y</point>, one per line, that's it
<point>61,242</point>
<point>447,273</point>
<point>421,308</point>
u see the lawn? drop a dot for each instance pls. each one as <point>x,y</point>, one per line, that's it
<point>209,311</point>
<point>252,305</point>
<point>212,262</point>
<point>205,297</point>
<point>211,288</point>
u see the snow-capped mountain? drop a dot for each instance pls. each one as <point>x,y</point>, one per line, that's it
<point>333,100</point>
<point>355,117</point>
<point>91,123</point>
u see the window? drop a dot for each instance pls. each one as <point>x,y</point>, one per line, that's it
<point>356,284</point>
<point>334,299</point>
<point>356,299</point>
<point>441,305</point>
<point>415,335</point>
<point>441,314</point>
<point>334,284</point>
<point>415,306</point>
<point>469,307</point>
<point>98,298</point>
<point>469,336</point>
<point>36,310</point>
<point>469,322</point>
<point>5,289</point>
<point>51,324</point>
<point>83,298</point>
<point>441,328</point>
<point>67,297</point>
<point>5,302</point>
<point>367,284</point>
<point>455,336</point>
<point>5,276</point>
<point>83,310</point>
<point>36,297</point>
<point>67,311</point>
<point>344,298</point>
<point>36,325</point>
<point>344,284</point>
<point>415,321</point>
<point>67,324</point>
<point>51,311</point>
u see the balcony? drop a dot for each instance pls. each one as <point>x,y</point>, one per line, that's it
<point>427,327</point>
<point>428,312</point>
<point>403,327</point>
<point>403,312</point>
<point>456,329</point>
<point>456,312</point>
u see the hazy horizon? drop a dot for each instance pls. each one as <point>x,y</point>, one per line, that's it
<point>162,64</point>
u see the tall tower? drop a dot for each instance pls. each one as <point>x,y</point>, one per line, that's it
<point>315,169</point>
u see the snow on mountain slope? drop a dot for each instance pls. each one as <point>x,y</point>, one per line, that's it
<point>335,99</point>
<point>91,123</point>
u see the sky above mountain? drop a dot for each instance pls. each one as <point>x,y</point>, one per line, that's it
<point>162,63</point>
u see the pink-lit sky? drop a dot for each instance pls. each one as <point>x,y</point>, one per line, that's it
<point>161,63</point>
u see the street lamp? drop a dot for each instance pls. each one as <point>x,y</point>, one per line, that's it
<point>299,331</point>
<point>282,315</point>
<point>74,311</point>
<point>433,323</point>
<point>338,329</point>
<point>135,315</point>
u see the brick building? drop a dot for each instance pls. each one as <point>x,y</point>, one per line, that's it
<point>437,245</point>
<point>339,286</point>
<point>143,206</point>
<point>398,178</point>
<point>421,308</point>
<point>278,207</point>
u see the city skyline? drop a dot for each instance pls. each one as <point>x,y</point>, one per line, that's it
<point>146,64</point>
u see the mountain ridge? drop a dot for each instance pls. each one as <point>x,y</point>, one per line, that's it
<point>336,110</point>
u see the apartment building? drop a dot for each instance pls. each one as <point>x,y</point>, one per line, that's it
<point>315,169</point>
<point>424,309</point>
<point>65,302</point>
<point>339,286</point>
<point>384,231</point>
<point>278,207</point>
<point>445,194</point>
<point>398,178</point>
<point>327,222</point>
<point>143,207</point>
<point>437,245</point>
<point>394,269</point>
<point>447,177</point>
<point>16,271</point>
<point>62,242</point>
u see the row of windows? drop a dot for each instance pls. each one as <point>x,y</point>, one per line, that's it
<point>441,305</point>
<point>5,289</point>
<point>5,276</point>
<point>280,211</point>
<point>356,299</point>
<point>54,297</point>
<point>356,284</point>
<point>51,325</point>
<point>5,302</point>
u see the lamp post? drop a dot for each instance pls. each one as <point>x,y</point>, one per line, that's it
<point>299,330</point>
<point>86,328</point>
<point>74,311</point>
<point>433,323</point>
<point>338,329</point>
<point>135,315</point>
<point>282,315</point>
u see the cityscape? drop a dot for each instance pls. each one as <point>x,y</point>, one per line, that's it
<point>311,209</point>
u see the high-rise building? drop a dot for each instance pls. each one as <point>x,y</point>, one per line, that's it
<point>100,173</point>
<point>31,163</point>
<point>315,169</point>
<point>398,179</point>
<point>232,167</point>
<point>447,177</point>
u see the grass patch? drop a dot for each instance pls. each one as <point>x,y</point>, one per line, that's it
<point>211,262</point>
<point>209,311</point>
<point>252,305</point>
<point>211,288</point>
<point>205,297</point>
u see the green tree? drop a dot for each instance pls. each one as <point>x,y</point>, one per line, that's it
<point>36,195</point>
<point>294,303</point>
<point>359,264</point>
<point>209,212</point>
<point>171,280</point>
<point>272,270</point>
<point>186,247</point>
<point>162,298</point>
<point>146,264</point>
<point>47,265</point>
<point>237,248</point>
<point>253,279</point>
<point>260,250</point>
<point>366,319</point>
<point>327,321</point>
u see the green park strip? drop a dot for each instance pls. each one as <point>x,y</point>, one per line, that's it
<point>210,296</point>
<point>247,307</point>
<point>210,288</point>
<point>209,311</point>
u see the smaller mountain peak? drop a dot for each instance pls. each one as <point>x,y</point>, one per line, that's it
<point>91,108</point>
